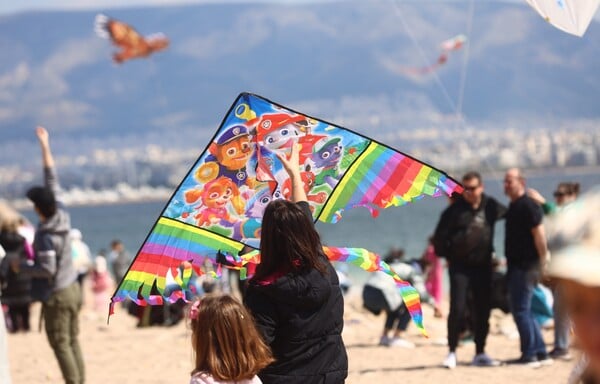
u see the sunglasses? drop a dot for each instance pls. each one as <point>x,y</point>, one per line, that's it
<point>559,194</point>
<point>471,188</point>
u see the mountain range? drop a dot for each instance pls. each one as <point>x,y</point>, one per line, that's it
<point>349,62</point>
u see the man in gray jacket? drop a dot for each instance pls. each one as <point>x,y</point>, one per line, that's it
<point>53,270</point>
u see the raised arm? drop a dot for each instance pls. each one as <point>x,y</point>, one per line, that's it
<point>50,176</point>
<point>292,167</point>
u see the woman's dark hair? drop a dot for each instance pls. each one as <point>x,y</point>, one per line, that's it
<point>288,241</point>
<point>567,188</point>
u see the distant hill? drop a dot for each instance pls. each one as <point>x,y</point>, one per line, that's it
<point>341,61</point>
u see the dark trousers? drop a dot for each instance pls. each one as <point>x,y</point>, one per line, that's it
<point>521,283</point>
<point>400,318</point>
<point>19,317</point>
<point>478,282</point>
<point>61,318</point>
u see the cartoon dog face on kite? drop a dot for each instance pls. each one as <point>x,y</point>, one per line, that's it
<point>214,197</point>
<point>326,156</point>
<point>278,130</point>
<point>228,157</point>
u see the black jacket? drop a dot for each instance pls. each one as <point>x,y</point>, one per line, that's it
<point>16,287</point>
<point>301,318</point>
<point>465,235</point>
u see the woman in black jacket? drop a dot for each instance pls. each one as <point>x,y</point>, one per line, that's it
<point>295,295</point>
<point>16,287</point>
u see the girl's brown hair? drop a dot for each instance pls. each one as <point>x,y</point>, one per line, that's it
<point>225,340</point>
<point>288,241</point>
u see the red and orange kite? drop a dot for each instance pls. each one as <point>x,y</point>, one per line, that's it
<point>132,44</point>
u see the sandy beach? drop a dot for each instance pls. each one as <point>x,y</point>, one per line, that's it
<point>121,353</point>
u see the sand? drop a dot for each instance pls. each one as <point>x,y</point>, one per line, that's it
<point>121,353</point>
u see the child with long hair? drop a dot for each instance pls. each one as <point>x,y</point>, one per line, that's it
<point>227,346</point>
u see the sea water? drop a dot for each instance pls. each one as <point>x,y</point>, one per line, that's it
<point>407,227</point>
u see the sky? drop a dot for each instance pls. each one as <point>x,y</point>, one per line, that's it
<point>11,6</point>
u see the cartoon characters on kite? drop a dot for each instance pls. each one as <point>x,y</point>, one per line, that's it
<point>326,156</point>
<point>228,157</point>
<point>241,173</point>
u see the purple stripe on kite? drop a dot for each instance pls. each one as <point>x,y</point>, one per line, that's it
<point>173,252</point>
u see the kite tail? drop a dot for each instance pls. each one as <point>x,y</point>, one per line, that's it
<point>371,262</point>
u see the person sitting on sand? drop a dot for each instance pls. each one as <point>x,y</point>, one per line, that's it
<point>381,293</point>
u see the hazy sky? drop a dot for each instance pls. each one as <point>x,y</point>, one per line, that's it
<point>11,6</point>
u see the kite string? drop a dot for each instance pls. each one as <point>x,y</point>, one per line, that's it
<point>462,120</point>
<point>463,73</point>
<point>423,56</point>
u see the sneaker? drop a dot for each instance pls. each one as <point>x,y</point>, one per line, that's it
<point>384,341</point>
<point>561,354</point>
<point>483,360</point>
<point>526,361</point>
<point>450,361</point>
<point>400,342</point>
<point>544,359</point>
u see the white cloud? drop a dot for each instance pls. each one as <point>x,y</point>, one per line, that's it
<point>19,6</point>
<point>42,91</point>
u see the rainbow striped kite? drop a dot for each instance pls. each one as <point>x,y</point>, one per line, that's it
<point>217,209</point>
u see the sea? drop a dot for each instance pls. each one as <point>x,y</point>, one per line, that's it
<point>406,227</point>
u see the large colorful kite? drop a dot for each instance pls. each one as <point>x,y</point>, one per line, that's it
<point>216,211</point>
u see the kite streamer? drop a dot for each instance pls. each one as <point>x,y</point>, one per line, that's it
<point>214,217</point>
<point>371,262</point>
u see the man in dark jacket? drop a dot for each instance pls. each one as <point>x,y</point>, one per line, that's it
<point>53,270</point>
<point>465,237</point>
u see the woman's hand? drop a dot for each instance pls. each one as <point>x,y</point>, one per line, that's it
<point>292,167</point>
<point>42,135</point>
<point>292,163</point>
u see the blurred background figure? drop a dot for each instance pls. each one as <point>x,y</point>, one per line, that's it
<point>101,284</point>
<point>16,286</point>
<point>4,370</point>
<point>565,194</point>
<point>119,260</point>
<point>82,257</point>
<point>434,280</point>
<point>341,269</point>
<point>380,293</point>
<point>574,240</point>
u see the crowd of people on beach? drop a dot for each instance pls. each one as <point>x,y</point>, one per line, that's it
<point>284,324</point>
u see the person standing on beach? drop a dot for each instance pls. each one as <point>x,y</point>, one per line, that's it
<point>574,240</point>
<point>295,296</point>
<point>119,259</point>
<point>526,255</point>
<point>53,270</point>
<point>16,287</point>
<point>4,369</point>
<point>434,281</point>
<point>565,194</point>
<point>465,237</point>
